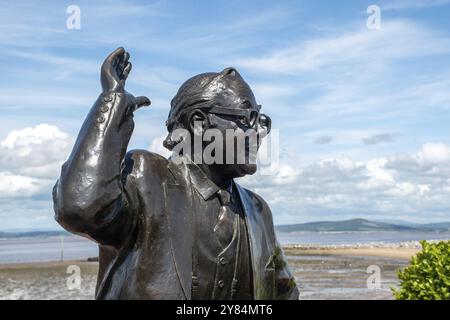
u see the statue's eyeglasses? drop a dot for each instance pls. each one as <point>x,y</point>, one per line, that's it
<point>250,117</point>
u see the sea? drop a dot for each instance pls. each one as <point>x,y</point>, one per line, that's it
<point>42,249</point>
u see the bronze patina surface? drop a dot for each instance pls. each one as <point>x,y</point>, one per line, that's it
<point>166,229</point>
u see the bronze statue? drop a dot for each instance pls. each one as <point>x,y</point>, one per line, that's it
<point>168,229</point>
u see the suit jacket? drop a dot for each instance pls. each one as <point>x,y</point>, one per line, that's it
<point>138,206</point>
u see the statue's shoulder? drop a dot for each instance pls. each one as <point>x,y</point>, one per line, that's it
<point>142,156</point>
<point>141,163</point>
<point>256,198</point>
<point>264,214</point>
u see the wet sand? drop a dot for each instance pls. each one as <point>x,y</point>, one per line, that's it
<point>47,281</point>
<point>321,273</point>
<point>394,253</point>
<point>343,273</point>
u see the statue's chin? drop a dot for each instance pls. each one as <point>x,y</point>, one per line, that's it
<point>246,169</point>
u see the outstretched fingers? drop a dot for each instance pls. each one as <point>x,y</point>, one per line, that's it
<point>126,71</point>
<point>115,55</point>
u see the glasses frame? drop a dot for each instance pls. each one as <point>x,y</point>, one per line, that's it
<point>262,119</point>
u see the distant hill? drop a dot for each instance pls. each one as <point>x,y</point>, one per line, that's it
<point>439,225</point>
<point>354,225</point>
<point>33,234</point>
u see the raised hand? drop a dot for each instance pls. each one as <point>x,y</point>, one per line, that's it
<point>115,70</point>
<point>114,73</point>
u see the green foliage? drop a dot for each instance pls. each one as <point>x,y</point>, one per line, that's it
<point>428,275</point>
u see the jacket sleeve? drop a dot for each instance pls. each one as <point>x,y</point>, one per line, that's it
<point>282,282</point>
<point>93,196</point>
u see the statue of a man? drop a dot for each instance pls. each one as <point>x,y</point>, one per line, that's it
<point>171,229</point>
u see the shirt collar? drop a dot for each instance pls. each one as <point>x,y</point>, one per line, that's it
<point>204,186</point>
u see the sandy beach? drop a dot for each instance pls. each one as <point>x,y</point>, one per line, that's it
<point>394,253</point>
<point>342,272</point>
<point>321,273</point>
<point>47,280</point>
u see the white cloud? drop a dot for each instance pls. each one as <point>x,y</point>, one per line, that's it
<point>395,40</point>
<point>12,185</point>
<point>415,185</point>
<point>434,153</point>
<point>378,175</point>
<point>31,158</point>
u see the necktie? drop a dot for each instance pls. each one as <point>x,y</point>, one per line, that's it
<point>224,227</point>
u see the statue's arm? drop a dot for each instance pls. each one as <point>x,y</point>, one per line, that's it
<point>88,197</point>
<point>94,195</point>
<point>285,286</point>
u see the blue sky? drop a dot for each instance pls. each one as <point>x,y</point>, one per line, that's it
<point>362,114</point>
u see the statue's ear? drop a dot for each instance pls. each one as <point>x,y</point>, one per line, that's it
<point>198,122</point>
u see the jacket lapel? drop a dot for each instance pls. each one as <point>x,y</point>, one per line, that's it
<point>178,205</point>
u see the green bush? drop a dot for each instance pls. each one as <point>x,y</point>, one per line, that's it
<point>428,275</point>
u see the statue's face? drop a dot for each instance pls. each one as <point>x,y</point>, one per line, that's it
<point>224,115</point>
<point>242,144</point>
<point>236,116</point>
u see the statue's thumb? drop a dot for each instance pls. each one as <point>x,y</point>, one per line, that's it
<point>142,102</point>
